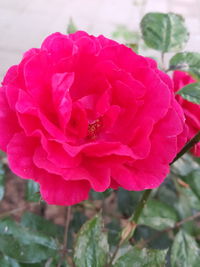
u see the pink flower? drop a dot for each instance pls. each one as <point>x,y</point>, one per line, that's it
<point>85,112</point>
<point>191,110</point>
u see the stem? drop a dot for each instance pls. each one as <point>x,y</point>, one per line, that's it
<point>163,60</point>
<point>67,221</point>
<point>114,255</point>
<point>136,215</point>
<point>66,227</point>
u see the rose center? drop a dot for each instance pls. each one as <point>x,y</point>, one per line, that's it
<point>94,129</point>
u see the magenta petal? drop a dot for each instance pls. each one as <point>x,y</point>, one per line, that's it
<point>61,83</point>
<point>57,191</point>
<point>20,156</point>
<point>8,121</point>
<point>99,178</point>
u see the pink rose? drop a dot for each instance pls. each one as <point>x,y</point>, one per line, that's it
<point>191,110</point>
<point>85,112</point>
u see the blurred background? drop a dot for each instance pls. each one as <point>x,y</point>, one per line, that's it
<point>25,23</point>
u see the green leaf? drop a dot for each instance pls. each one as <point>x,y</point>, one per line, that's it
<point>191,92</point>
<point>164,32</point>
<point>186,61</point>
<point>29,253</point>
<point>32,193</point>
<point>2,181</point>
<point>142,258</point>
<point>71,26</point>
<point>9,227</point>
<point>24,245</point>
<point>40,224</point>
<point>185,251</point>
<point>6,261</point>
<point>91,248</point>
<point>158,215</point>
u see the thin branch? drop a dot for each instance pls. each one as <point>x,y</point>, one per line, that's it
<point>68,217</point>
<point>67,222</point>
<point>177,225</point>
<point>13,211</point>
<point>114,255</point>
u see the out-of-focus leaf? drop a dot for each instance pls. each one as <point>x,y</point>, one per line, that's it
<point>191,92</point>
<point>127,201</point>
<point>78,220</point>
<point>158,215</point>
<point>186,61</point>
<point>51,262</point>
<point>113,232</point>
<point>6,261</point>
<point>142,258</point>
<point>122,33</point>
<point>9,227</point>
<point>71,28</point>
<point>133,46</point>
<point>193,180</point>
<point>2,181</point>
<point>32,193</point>
<point>24,245</point>
<point>164,32</point>
<point>39,264</point>
<point>185,165</point>
<point>167,192</point>
<point>91,248</point>
<point>185,251</point>
<point>154,239</point>
<point>40,224</point>
<point>191,190</point>
<point>22,252</point>
<point>100,195</point>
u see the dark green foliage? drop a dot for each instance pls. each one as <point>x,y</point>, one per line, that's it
<point>2,181</point>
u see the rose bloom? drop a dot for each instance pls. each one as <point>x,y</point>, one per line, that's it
<point>85,112</point>
<point>191,110</point>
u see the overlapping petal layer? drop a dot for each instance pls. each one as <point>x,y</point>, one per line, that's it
<point>85,112</point>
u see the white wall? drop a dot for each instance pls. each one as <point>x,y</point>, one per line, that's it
<point>25,23</point>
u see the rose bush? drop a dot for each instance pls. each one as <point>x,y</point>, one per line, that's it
<point>191,110</point>
<point>85,112</point>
